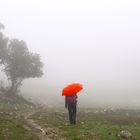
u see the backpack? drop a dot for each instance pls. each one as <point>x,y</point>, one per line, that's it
<point>72,99</point>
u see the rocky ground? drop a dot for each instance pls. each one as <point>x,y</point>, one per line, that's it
<point>19,111</point>
<point>44,133</point>
<point>22,120</point>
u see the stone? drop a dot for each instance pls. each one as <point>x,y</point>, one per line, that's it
<point>124,134</point>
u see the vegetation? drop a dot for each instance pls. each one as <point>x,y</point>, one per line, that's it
<point>11,129</point>
<point>18,62</point>
<point>93,124</point>
<point>13,126</point>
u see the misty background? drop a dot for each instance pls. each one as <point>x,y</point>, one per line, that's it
<point>96,43</point>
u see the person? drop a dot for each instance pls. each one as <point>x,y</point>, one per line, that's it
<point>71,104</point>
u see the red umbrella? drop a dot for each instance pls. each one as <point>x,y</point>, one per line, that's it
<point>72,89</point>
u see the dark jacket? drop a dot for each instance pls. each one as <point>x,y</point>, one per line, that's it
<point>70,100</point>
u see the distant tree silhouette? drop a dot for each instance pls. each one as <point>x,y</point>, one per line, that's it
<point>18,62</point>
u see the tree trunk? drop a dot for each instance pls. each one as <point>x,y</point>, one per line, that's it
<point>12,89</point>
<point>15,84</point>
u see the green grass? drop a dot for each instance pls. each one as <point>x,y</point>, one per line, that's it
<point>91,125</point>
<point>12,124</point>
<point>13,130</point>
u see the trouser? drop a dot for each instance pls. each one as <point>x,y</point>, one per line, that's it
<point>72,113</point>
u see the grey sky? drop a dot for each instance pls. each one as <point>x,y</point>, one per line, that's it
<point>96,43</point>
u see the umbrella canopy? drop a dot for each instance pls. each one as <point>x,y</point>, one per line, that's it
<point>72,89</point>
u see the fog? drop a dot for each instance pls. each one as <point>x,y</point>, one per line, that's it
<point>95,43</point>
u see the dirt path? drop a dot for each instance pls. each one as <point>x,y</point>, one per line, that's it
<point>45,133</point>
